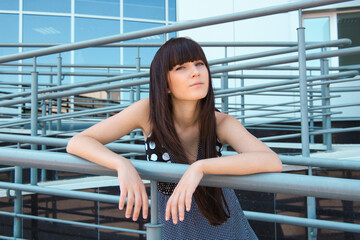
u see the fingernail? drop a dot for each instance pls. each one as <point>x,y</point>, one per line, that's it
<point>181,219</point>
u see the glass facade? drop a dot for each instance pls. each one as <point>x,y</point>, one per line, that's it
<point>67,21</point>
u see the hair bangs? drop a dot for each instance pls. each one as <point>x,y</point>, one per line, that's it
<point>183,52</point>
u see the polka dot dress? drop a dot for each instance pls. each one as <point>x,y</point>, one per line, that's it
<point>195,225</point>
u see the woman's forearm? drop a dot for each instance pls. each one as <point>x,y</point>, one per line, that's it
<point>90,149</point>
<point>241,164</point>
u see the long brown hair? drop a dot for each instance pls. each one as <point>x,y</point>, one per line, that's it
<point>177,51</point>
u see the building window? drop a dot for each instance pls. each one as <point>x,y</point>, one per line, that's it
<point>58,6</point>
<point>347,23</point>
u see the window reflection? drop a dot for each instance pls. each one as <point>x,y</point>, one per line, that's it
<point>46,29</point>
<point>147,53</point>
<point>172,10</point>
<point>98,7</point>
<point>154,9</point>
<point>9,5</point>
<point>316,30</point>
<point>89,28</point>
<point>59,6</point>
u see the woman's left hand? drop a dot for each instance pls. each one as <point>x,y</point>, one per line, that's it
<point>182,195</point>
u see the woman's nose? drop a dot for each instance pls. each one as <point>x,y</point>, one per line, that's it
<point>194,70</point>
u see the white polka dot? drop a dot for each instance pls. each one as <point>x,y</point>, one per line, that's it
<point>154,157</point>
<point>146,147</point>
<point>147,158</point>
<point>152,145</point>
<point>217,148</point>
<point>168,162</point>
<point>166,156</point>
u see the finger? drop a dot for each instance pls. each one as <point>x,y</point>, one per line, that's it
<point>138,203</point>
<point>129,205</point>
<point>145,204</point>
<point>181,206</point>
<point>188,199</point>
<point>122,199</point>
<point>167,210</point>
<point>174,210</point>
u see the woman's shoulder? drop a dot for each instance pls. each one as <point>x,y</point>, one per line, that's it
<point>224,124</point>
<point>222,119</point>
<point>141,109</point>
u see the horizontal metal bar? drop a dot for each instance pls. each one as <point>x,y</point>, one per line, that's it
<point>318,132</point>
<point>204,44</point>
<point>322,162</point>
<point>316,186</point>
<point>305,222</point>
<point>172,28</point>
<point>279,51</point>
<point>97,197</point>
<point>71,222</point>
<point>61,192</point>
<point>61,142</point>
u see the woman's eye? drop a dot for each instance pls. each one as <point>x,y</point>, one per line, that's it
<point>199,64</point>
<point>179,68</point>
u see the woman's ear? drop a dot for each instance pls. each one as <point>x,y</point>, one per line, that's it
<point>169,90</point>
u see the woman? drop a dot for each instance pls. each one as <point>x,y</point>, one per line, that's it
<point>181,125</point>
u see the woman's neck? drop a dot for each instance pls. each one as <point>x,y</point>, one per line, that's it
<point>185,114</point>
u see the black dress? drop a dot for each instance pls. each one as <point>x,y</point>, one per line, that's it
<point>195,225</point>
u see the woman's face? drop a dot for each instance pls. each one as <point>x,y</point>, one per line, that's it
<point>189,81</point>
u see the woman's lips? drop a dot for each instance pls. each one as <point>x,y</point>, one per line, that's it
<point>196,84</point>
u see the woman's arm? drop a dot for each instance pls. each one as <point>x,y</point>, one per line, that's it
<point>253,157</point>
<point>89,145</point>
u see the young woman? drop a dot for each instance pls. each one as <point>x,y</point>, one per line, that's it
<point>181,125</point>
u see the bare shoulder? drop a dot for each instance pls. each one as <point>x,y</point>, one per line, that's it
<point>227,125</point>
<point>231,131</point>
<point>133,117</point>
<point>140,111</point>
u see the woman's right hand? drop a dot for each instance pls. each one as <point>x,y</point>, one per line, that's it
<point>133,189</point>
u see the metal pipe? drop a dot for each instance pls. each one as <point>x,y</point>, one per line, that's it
<point>311,204</point>
<point>54,220</point>
<point>314,223</point>
<point>347,51</point>
<point>324,187</point>
<point>172,28</point>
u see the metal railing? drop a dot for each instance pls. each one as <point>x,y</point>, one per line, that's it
<point>310,90</point>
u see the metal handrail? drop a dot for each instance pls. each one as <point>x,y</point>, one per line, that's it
<point>172,28</point>
<point>323,187</point>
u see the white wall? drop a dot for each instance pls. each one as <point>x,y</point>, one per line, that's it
<point>279,27</point>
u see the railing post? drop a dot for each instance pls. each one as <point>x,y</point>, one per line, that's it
<point>43,133</point>
<point>325,101</point>
<point>242,98</point>
<point>50,101</point>
<point>138,64</point>
<point>108,97</point>
<point>34,132</point>
<point>34,116</point>
<point>154,228</point>
<point>58,100</point>
<point>225,85</point>
<point>18,206</point>
<point>311,206</point>
<point>311,114</point>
